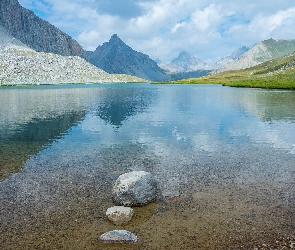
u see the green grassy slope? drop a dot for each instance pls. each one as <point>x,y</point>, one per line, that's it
<point>279,48</point>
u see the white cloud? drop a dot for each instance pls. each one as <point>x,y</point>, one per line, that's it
<point>177,26</point>
<point>163,28</point>
<point>278,25</point>
<point>204,19</point>
<point>89,38</point>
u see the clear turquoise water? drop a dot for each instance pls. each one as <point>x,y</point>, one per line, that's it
<point>62,147</point>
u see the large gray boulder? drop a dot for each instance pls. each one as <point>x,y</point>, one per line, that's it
<point>118,236</point>
<point>136,188</point>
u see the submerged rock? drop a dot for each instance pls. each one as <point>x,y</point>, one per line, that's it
<point>136,188</point>
<point>120,215</point>
<point>119,236</point>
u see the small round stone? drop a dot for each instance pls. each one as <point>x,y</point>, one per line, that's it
<point>119,236</point>
<point>120,215</point>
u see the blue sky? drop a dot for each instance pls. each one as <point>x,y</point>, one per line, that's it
<point>163,28</point>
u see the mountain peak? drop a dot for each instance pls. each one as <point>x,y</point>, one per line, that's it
<point>115,39</point>
<point>184,53</point>
<point>118,58</point>
<point>185,56</point>
<point>185,62</point>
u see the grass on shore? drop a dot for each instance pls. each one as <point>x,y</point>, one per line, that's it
<point>274,74</point>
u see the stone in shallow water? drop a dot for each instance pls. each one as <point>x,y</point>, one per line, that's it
<point>136,188</point>
<point>118,236</point>
<point>120,215</point>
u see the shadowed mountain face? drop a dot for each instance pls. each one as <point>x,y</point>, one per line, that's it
<point>118,58</point>
<point>35,32</point>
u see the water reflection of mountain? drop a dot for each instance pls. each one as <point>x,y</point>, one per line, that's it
<point>30,117</point>
<point>119,105</point>
<point>271,105</point>
<point>116,112</point>
<point>17,146</point>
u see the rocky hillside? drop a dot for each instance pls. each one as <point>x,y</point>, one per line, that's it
<point>35,32</point>
<point>239,52</point>
<point>30,67</point>
<point>262,52</point>
<point>229,59</point>
<point>185,62</point>
<point>20,64</point>
<point>118,58</point>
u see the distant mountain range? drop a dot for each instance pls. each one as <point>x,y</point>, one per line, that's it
<point>278,73</point>
<point>117,57</point>
<point>185,62</point>
<point>261,52</point>
<point>241,58</point>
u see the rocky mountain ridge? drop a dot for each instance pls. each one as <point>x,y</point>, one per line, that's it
<point>229,59</point>
<point>262,52</point>
<point>118,58</point>
<point>36,33</point>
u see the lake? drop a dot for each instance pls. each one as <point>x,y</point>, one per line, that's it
<point>224,159</point>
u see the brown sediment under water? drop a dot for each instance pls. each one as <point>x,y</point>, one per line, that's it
<point>224,160</point>
<point>63,207</point>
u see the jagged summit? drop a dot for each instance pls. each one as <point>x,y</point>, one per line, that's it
<point>116,57</point>
<point>115,37</point>
<point>186,58</point>
<point>115,40</point>
<point>185,62</point>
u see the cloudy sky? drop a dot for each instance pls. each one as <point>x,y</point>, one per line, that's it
<point>210,29</point>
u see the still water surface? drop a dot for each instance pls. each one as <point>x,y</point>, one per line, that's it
<point>224,158</point>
